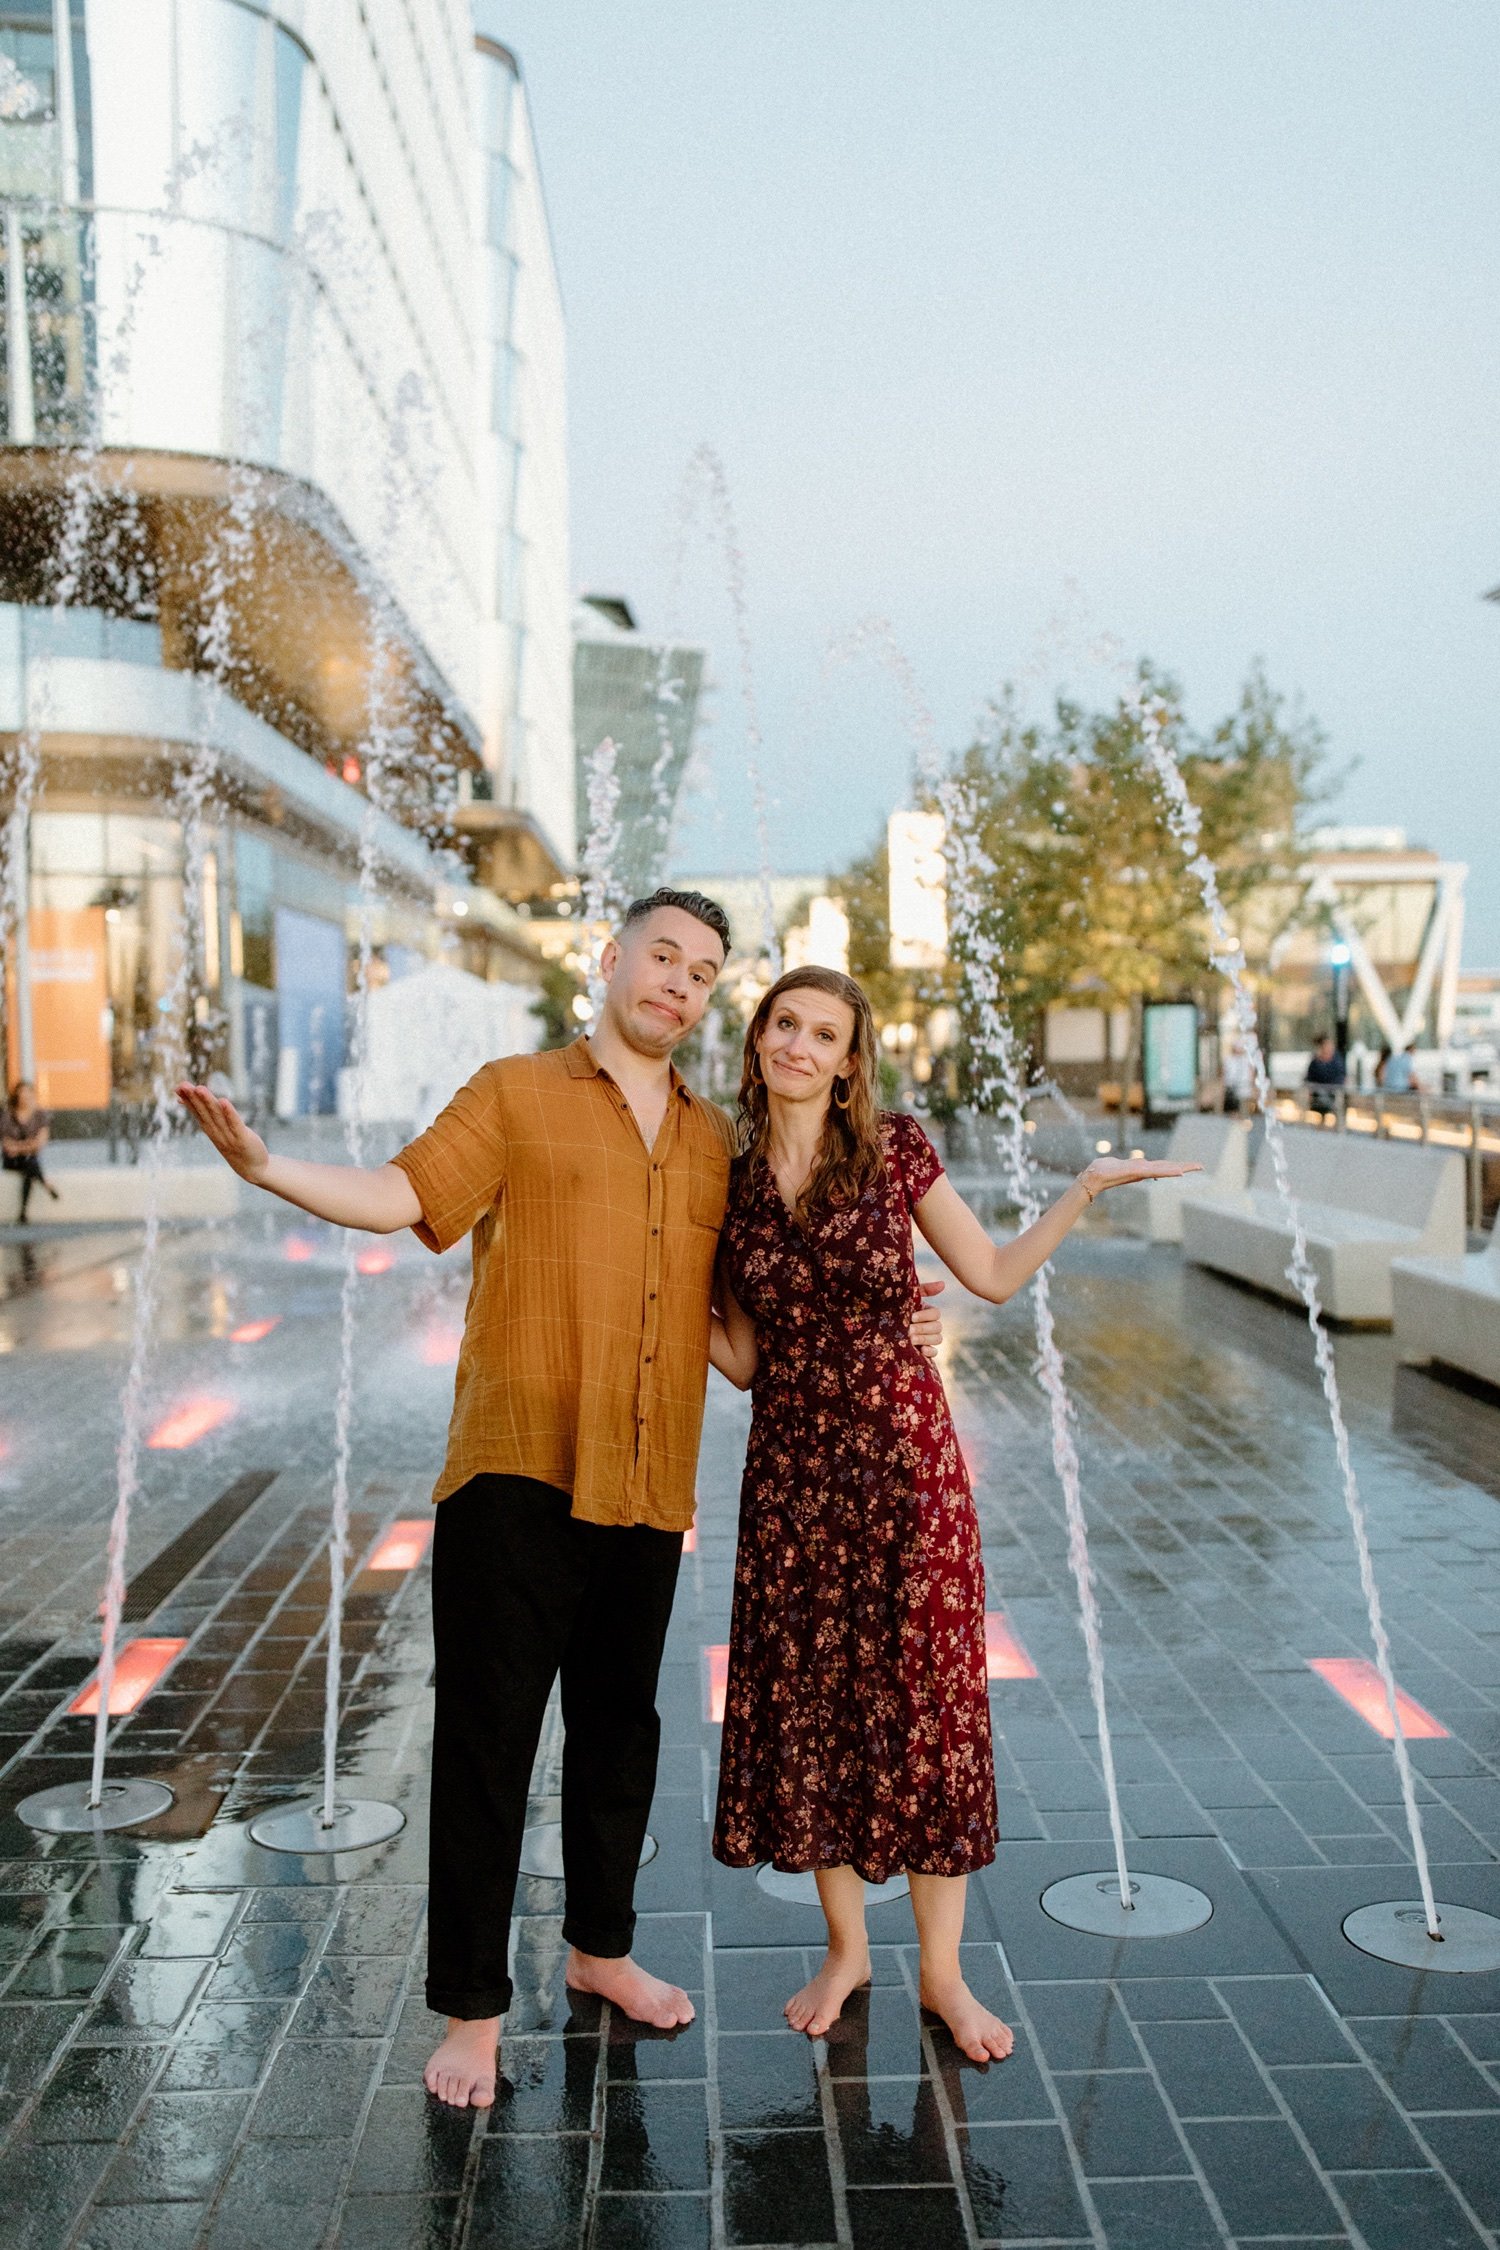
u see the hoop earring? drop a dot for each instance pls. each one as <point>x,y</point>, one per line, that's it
<point>848,1094</point>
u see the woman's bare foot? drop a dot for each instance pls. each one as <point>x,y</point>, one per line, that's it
<point>976,2033</point>
<point>462,2070</point>
<point>820,2003</point>
<point>642,1997</point>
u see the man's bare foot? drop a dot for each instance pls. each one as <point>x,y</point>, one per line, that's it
<point>976,2033</point>
<point>462,2070</point>
<point>630,1988</point>
<point>820,2003</point>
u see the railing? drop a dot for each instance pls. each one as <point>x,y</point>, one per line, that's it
<point>1467,1123</point>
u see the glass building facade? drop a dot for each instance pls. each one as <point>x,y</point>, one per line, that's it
<point>282,492</point>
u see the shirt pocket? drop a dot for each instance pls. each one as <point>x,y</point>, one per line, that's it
<point>708,1193</point>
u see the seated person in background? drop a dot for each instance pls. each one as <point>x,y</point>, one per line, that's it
<point>1399,1077</point>
<point>24,1132</point>
<point>1325,1072</point>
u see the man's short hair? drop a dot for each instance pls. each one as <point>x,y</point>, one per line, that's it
<point>703,909</point>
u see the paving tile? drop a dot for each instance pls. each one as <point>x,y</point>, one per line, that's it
<point>1423,2064</point>
<point>884,2219</point>
<point>1207,2071</point>
<point>767,2079</point>
<point>142,2226</point>
<point>1350,2121</point>
<point>651,2222</point>
<point>1082,2027</point>
<point>281,2192</point>
<point>44,2187</point>
<point>546,2086</point>
<point>1264,2183</point>
<point>655,2137</point>
<point>413,2145</point>
<point>1119,2124</point>
<point>399,2222</point>
<point>1285,2020</point>
<point>178,2150</point>
<point>352,1997</point>
<point>1466,2147</point>
<point>530,2191</point>
<point>1022,2182</point>
<point>777,2188</point>
<point>316,2088</point>
<point>879,2034</point>
<point>1407,2211</point>
<point>225,2044</point>
<point>1155,2215</point>
<point>93,2093</point>
<point>891,2131</point>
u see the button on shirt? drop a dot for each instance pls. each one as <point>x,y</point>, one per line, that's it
<point>585,1353</point>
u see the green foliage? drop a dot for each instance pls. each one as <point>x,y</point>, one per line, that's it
<point>553,1005</point>
<point>1089,896</point>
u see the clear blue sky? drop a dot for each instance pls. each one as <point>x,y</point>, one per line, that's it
<point>1179,316</point>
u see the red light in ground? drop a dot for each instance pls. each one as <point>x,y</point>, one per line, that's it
<point>138,1667</point>
<point>296,1249</point>
<point>377,1260</point>
<point>717,1661</point>
<point>1004,1657</point>
<point>252,1331</point>
<point>690,1540</point>
<point>351,771</point>
<point>404,1544</point>
<point>439,1346</point>
<point>1358,1682</point>
<point>190,1423</point>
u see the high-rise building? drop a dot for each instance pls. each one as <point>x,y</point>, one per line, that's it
<point>283,504</point>
<point>644,695</point>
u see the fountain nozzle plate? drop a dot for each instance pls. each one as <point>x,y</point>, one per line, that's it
<point>1159,1906</point>
<point>1396,1930</point>
<point>66,1811</point>
<point>358,1822</point>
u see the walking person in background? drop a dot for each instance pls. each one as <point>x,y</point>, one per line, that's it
<point>856,1722</point>
<point>1326,1073</point>
<point>24,1132</point>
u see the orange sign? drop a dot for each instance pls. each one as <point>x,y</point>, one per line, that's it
<point>69,996</point>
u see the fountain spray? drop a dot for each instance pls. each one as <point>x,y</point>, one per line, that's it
<point>1001,1089</point>
<point>1228,957</point>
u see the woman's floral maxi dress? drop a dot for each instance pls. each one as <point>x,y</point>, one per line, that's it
<point>856,1718</point>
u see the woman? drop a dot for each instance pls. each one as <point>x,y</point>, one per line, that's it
<point>856,1722</point>
<point>24,1133</point>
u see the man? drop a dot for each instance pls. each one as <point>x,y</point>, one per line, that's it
<point>594,1182</point>
<point>1325,1071</point>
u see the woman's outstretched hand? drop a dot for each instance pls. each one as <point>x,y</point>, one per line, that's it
<point>220,1122</point>
<point>1120,1171</point>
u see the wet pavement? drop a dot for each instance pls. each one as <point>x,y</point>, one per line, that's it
<point>206,2043</point>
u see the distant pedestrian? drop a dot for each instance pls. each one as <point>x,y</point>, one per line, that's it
<point>1326,1073</point>
<point>24,1132</point>
<point>1399,1077</point>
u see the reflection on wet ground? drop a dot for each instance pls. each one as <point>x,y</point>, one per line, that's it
<point>203,2042</point>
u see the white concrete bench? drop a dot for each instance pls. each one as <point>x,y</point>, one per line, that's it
<point>1364,1203</point>
<point>1448,1309</point>
<point>118,1191</point>
<point>1154,1207</point>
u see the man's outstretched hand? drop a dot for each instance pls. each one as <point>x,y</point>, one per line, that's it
<point>220,1122</point>
<point>926,1330</point>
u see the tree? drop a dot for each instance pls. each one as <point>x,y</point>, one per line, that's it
<point>1085,891</point>
<point>1082,888</point>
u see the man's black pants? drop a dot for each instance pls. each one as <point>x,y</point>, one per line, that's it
<point>523,1591</point>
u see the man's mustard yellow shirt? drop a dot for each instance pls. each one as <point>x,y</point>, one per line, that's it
<point>585,1354</point>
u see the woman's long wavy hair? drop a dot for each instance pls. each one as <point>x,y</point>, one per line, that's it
<point>850,1157</point>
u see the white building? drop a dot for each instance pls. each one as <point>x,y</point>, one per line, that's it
<point>283,404</point>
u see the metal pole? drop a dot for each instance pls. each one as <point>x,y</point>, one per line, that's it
<point>17,334</point>
<point>1476,1171</point>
